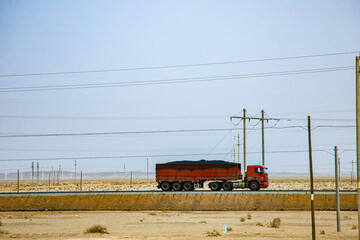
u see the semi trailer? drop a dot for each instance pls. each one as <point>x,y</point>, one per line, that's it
<point>188,175</point>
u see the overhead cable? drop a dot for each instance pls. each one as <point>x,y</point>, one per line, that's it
<point>174,81</point>
<point>177,66</point>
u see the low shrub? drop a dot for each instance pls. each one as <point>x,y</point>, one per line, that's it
<point>3,232</point>
<point>259,224</point>
<point>242,219</point>
<point>97,229</point>
<point>275,223</point>
<point>213,233</point>
<point>249,216</point>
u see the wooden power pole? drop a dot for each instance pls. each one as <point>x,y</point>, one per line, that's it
<point>338,226</point>
<point>262,137</point>
<point>357,87</point>
<point>244,144</point>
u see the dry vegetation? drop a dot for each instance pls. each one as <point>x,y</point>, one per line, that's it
<point>275,223</point>
<point>213,233</point>
<point>173,225</point>
<point>97,229</point>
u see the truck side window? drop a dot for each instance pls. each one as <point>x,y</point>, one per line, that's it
<point>258,170</point>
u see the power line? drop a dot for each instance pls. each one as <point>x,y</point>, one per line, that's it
<point>176,80</point>
<point>157,131</point>
<point>177,66</point>
<point>159,155</point>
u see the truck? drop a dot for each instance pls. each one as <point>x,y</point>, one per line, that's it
<point>188,175</point>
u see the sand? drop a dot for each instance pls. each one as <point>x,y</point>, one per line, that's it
<point>277,183</point>
<point>174,225</point>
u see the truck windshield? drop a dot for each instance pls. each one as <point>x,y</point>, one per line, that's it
<point>264,170</point>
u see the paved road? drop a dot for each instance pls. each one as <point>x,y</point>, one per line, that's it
<point>64,193</point>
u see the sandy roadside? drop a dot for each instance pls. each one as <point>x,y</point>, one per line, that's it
<point>174,225</point>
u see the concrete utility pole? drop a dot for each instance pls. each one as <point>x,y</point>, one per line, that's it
<point>147,169</point>
<point>357,87</point>
<point>130,179</point>
<point>311,182</point>
<point>81,180</point>
<point>53,173</point>
<point>18,180</point>
<point>32,173</point>
<point>238,148</point>
<point>263,140</point>
<point>244,133</point>
<point>352,171</point>
<point>37,172</point>
<point>338,229</point>
<point>75,171</point>
<point>234,153</point>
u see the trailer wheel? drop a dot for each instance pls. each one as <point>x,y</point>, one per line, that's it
<point>254,186</point>
<point>188,186</point>
<point>215,186</point>
<point>177,186</point>
<point>227,186</point>
<point>165,186</point>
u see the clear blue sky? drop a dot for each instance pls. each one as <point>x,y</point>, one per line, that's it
<point>66,36</point>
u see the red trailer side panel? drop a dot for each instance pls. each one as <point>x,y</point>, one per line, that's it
<point>197,171</point>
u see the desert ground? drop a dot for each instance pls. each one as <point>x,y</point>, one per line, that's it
<point>174,225</point>
<point>121,184</point>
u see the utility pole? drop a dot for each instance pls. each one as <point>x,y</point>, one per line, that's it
<point>130,179</point>
<point>238,148</point>
<point>37,172</point>
<point>244,133</point>
<point>352,171</point>
<point>357,87</point>
<point>18,180</point>
<point>262,138</point>
<point>81,180</point>
<point>75,171</point>
<point>234,153</point>
<point>32,173</point>
<point>244,118</point>
<point>311,183</point>
<point>338,226</point>
<point>147,169</point>
<point>53,173</point>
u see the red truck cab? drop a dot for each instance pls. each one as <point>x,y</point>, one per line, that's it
<point>257,177</point>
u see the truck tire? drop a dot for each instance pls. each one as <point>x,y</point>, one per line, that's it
<point>215,186</point>
<point>227,186</point>
<point>176,186</point>
<point>254,186</point>
<point>165,186</point>
<point>188,186</point>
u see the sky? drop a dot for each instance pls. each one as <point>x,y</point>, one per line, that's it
<point>67,37</point>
